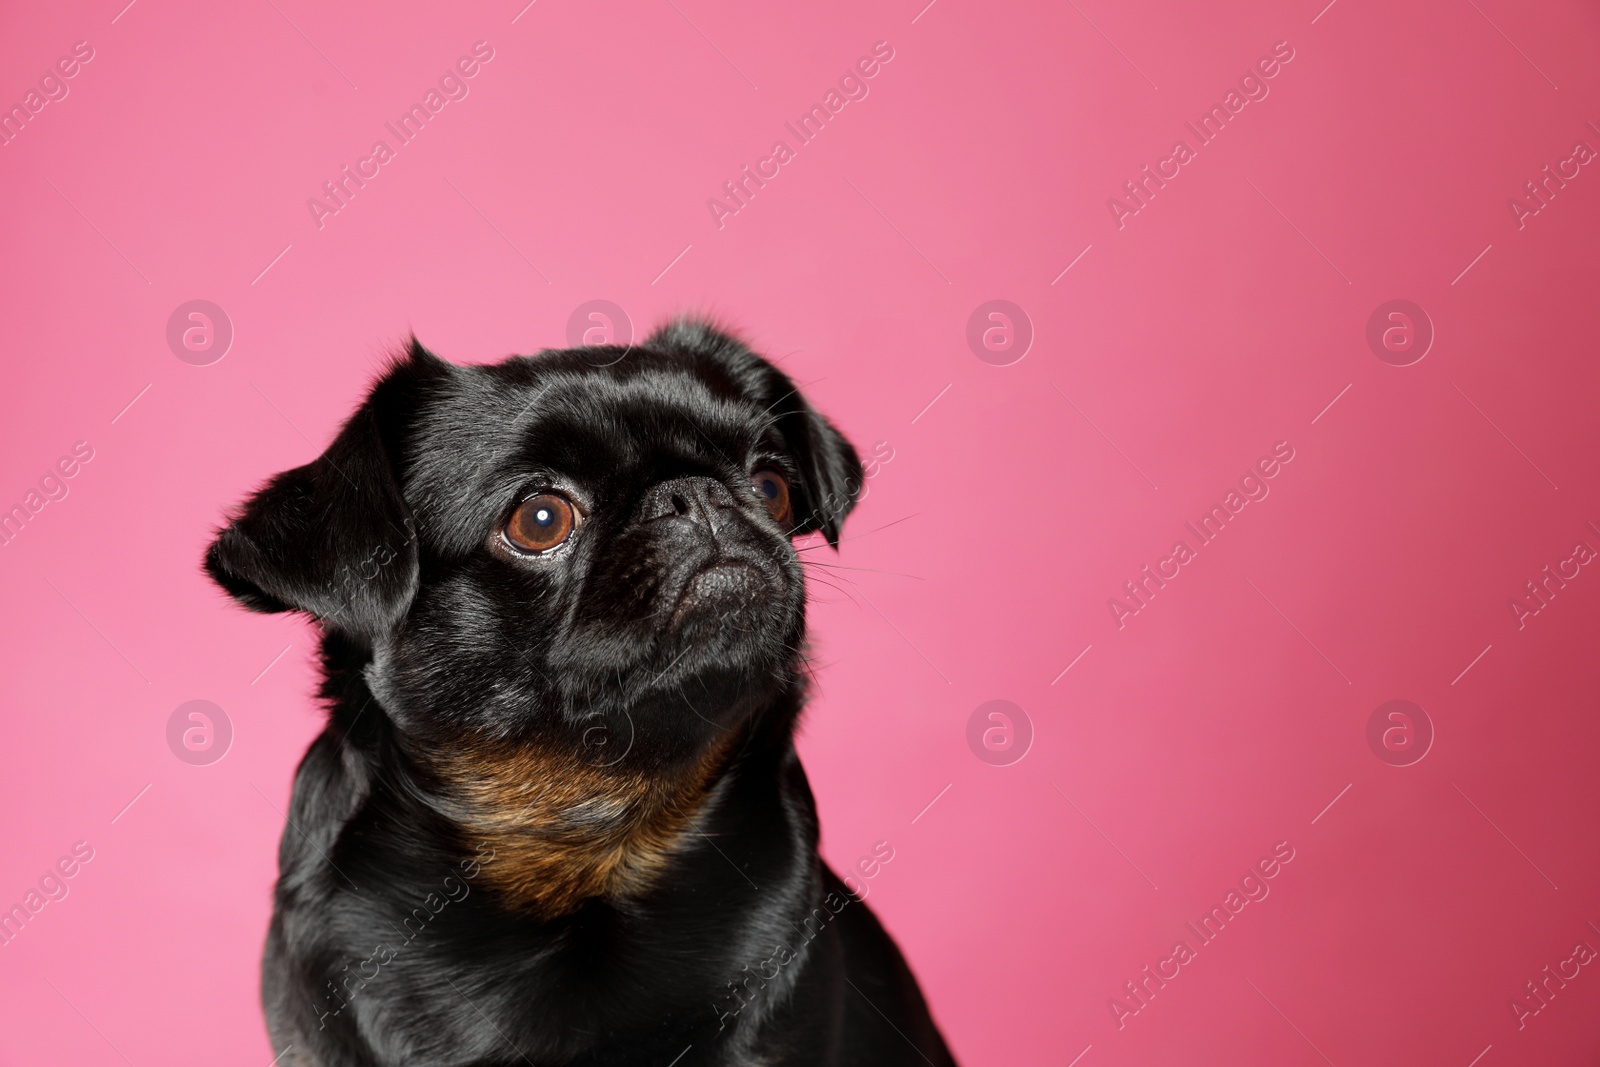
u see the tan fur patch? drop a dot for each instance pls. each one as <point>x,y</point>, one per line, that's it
<point>563,831</point>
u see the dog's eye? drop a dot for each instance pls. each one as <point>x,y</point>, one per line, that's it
<point>541,522</point>
<point>774,493</point>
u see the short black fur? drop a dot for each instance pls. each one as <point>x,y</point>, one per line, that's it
<point>556,816</point>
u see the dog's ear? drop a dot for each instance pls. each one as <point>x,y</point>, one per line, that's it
<point>830,470</point>
<point>335,538</point>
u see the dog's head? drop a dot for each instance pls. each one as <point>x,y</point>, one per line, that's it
<point>588,548</point>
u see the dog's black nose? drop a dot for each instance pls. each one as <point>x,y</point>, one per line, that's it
<point>696,499</point>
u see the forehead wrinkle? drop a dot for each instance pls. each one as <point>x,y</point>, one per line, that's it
<point>479,440</point>
<point>462,441</point>
<point>649,410</point>
<point>708,413</point>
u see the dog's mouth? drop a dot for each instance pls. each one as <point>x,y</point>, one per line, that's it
<point>723,592</point>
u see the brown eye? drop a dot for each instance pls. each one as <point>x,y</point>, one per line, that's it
<point>541,522</point>
<point>774,493</point>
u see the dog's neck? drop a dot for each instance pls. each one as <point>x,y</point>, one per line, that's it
<point>563,832</point>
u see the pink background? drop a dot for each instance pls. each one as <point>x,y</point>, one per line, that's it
<point>1225,316</point>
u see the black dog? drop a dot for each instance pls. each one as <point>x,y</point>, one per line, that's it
<point>557,816</point>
